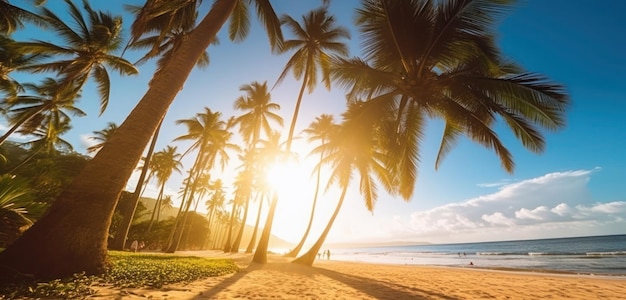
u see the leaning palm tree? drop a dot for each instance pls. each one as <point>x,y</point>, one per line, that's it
<point>89,50</point>
<point>356,145</point>
<point>164,163</point>
<point>55,235</point>
<point>211,140</point>
<point>320,130</point>
<point>26,113</point>
<point>101,137</point>
<point>48,139</point>
<point>316,40</point>
<point>439,60</point>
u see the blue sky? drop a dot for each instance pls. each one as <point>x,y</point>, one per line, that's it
<point>575,188</point>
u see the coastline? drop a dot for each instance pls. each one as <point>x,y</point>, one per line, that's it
<point>329,279</point>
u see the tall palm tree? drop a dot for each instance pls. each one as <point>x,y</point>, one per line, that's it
<point>51,238</point>
<point>214,204</point>
<point>89,50</point>
<point>316,40</point>
<point>357,145</point>
<point>101,137</point>
<point>259,106</point>
<point>426,59</point>
<point>211,140</point>
<point>48,141</point>
<point>164,163</point>
<point>320,130</point>
<point>28,112</point>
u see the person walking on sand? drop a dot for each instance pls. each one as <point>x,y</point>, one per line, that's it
<point>327,254</point>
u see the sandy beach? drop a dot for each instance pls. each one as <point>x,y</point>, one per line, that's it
<point>329,279</point>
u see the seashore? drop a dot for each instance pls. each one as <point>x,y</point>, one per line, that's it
<point>329,279</point>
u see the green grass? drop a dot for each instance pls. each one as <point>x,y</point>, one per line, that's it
<point>127,270</point>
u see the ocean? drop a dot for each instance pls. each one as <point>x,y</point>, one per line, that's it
<point>597,255</point>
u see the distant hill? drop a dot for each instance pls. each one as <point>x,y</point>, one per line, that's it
<point>275,242</point>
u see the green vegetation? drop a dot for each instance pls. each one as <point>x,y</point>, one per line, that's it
<point>126,270</point>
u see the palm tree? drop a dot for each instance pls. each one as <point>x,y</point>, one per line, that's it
<point>48,141</point>
<point>36,251</point>
<point>439,60</point>
<point>316,40</point>
<point>320,130</point>
<point>259,106</point>
<point>214,204</point>
<point>89,50</point>
<point>210,135</point>
<point>102,136</point>
<point>354,146</point>
<point>28,112</point>
<point>12,17</point>
<point>12,59</point>
<point>163,163</point>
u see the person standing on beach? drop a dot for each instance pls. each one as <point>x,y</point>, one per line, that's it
<point>328,254</point>
<point>134,245</point>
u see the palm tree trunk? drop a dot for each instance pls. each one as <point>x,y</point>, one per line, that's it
<point>122,231</point>
<point>260,255</point>
<point>256,227</point>
<point>230,228</point>
<point>296,111</point>
<point>72,236</point>
<point>309,257</point>
<point>188,232</point>
<point>235,247</point>
<point>296,250</point>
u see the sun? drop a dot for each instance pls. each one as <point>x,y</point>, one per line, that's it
<point>283,177</point>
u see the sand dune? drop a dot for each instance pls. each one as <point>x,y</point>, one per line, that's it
<point>280,279</point>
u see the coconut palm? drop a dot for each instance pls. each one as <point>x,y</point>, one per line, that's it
<point>316,40</point>
<point>56,234</point>
<point>211,140</point>
<point>50,101</point>
<point>88,51</point>
<point>163,163</point>
<point>101,137</point>
<point>259,106</point>
<point>354,147</point>
<point>320,130</point>
<point>214,204</point>
<point>48,141</point>
<point>425,59</point>
<point>12,18</point>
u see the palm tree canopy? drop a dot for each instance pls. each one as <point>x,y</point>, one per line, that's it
<point>316,40</point>
<point>438,59</point>
<point>89,47</point>
<point>259,106</point>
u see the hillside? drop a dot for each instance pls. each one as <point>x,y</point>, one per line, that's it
<point>275,242</point>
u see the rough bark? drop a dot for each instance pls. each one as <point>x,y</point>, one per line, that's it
<point>72,236</point>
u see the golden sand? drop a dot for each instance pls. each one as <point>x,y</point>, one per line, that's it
<point>280,279</point>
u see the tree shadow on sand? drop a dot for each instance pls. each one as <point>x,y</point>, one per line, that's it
<point>375,288</point>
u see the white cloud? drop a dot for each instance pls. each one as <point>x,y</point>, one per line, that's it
<point>556,204</point>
